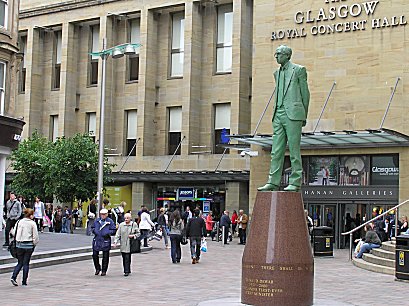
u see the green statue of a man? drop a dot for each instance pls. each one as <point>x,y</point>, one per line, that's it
<point>289,116</point>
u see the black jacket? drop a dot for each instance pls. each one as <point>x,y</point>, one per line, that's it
<point>225,221</point>
<point>196,227</point>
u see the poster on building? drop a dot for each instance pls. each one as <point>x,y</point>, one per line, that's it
<point>385,170</point>
<point>206,206</point>
<point>354,170</point>
<point>287,171</point>
<point>323,170</point>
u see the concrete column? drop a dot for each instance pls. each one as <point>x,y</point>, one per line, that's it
<point>403,181</point>
<point>237,196</point>
<point>2,186</point>
<point>191,76</point>
<point>141,194</point>
<point>33,100</point>
<point>147,81</point>
<point>68,88</point>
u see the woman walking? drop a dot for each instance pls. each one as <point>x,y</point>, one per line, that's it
<point>145,225</point>
<point>127,230</point>
<point>26,237</point>
<point>176,227</point>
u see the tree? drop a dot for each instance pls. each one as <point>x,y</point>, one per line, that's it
<point>30,161</point>
<point>66,169</point>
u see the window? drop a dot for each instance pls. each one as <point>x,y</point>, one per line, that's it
<point>57,59</point>
<point>91,125</point>
<point>175,129</point>
<point>22,74</point>
<point>3,13</point>
<point>178,42</point>
<point>93,73</point>
<point>131,131</point>
<point>221,126</point>
<point>54,127</point>
<point>133,60</point>
<point>224,38</point>
<point>2,87</point>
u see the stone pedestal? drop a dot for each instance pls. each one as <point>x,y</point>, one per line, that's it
<point>277,263</point>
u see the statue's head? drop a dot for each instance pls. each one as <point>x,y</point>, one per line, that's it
<point>283,54</point>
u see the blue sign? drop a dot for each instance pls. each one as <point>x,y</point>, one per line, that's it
<point>186,193</point>
<point>224,138</point>
<point>206,206</point>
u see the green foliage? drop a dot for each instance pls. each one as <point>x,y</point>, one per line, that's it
<point>68,168</point>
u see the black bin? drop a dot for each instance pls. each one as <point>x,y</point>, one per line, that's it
<point>402,257</point>
<point>323,241</point>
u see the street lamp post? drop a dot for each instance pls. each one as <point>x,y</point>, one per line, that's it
<point>116,52</point>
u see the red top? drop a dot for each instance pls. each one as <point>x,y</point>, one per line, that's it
<point>234,218</point>
<point>209,222</point>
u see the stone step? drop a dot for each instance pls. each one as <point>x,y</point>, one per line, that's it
<point>379,260</point>
<point>57,260</point>
<point>388,246</point>
<point>383,253</point>
<point>373,267</point>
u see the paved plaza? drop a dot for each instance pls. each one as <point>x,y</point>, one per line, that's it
<point>215,281</point>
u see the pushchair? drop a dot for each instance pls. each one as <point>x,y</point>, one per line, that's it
<point>154,234</point>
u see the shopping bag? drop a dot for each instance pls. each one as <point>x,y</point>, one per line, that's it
<point>203,246</point>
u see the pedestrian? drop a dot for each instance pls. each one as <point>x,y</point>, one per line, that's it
<point>103,228</point>
<point>66,220</point>
<point>58,219</point>
<point>127,230</point>
<point>210,224</point>
<point>145,226</point>
<point>371,239</point>
<point>49,214</point>
<point>187,215</point>
<point>242,221</point>
<point>176,227</point>
<point>225,225</point>
<point>26,237</point>
<point>196,230</point>
<point>75,217</point>
<point>164,226</point>
<point>91,214</point>
<point>12,211</point>
<point>233,222</point>
<point>39,213</point>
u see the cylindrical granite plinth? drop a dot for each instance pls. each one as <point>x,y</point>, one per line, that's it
<point>277,263</point>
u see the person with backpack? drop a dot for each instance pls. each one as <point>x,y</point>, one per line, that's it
<point>13,212</point>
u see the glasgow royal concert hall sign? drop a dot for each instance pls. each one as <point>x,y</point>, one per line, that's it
<point>332,20</point>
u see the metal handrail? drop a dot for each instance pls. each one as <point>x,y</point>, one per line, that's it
<point>373,219</point>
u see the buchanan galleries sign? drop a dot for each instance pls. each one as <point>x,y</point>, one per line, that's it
<point>329,20</point>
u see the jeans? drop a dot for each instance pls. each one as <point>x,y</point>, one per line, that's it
<point>165,235</point>
<point>66,225</point>
<point>175,250</point>
<point>23,257</point>
<point>39,222</point>
<point>105,260</point>
<point>126,262</point>
<point>144,235</point>
<point>195,243</point>
<point>366,247</point>
<point>9,225</point>
<point>242,235</point>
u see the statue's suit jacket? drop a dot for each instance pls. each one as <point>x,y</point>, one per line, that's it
<point>296,94</point>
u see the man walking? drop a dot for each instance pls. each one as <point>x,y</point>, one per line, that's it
<point>225,225</point>
<point>103,228</point>
<point>242,222</point>
<point>13,212</point>
<point>196,230</point>
<point>291,98</point>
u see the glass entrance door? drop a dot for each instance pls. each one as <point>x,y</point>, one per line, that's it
<point>325,215</point>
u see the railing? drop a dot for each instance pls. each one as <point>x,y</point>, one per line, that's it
<point>373,219</point>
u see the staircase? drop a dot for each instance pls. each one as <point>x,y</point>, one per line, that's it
<point>380,260</point>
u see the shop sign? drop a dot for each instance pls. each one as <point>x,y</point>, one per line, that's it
<point>206,206</point>
<point>350,193</point>
<point>185,193</point>
<point>330,20</point>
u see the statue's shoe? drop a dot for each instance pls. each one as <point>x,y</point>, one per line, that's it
<point>292,188</point>
<point>268,187</point>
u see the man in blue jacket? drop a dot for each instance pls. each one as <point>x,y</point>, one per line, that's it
<point>103,228</point>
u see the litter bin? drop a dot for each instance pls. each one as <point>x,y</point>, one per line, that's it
<point>402,257</point>
<point>323,241</point>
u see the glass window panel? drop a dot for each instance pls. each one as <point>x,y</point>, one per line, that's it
<point>58,45</point>
<point>23,48</point>
<point>175,119</point>
<point>174,140</point>
<point>178,30</point>
<point>95,40</point>
<point>133,68</point>
<point>222,116</point>
<point>130,143</point>
<point>225,25</point>
<point>132,124</point>
<point>136,33</point>
<point>3,13</point>
<point>177,64</point>
<point>92,124</point>
<point>2,74</point>
<point>54,131</point>
<point>224,59</point>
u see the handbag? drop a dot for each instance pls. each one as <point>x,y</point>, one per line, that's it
<point>134,244</point>
<point>13,244</point>
<point>203,246</point>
